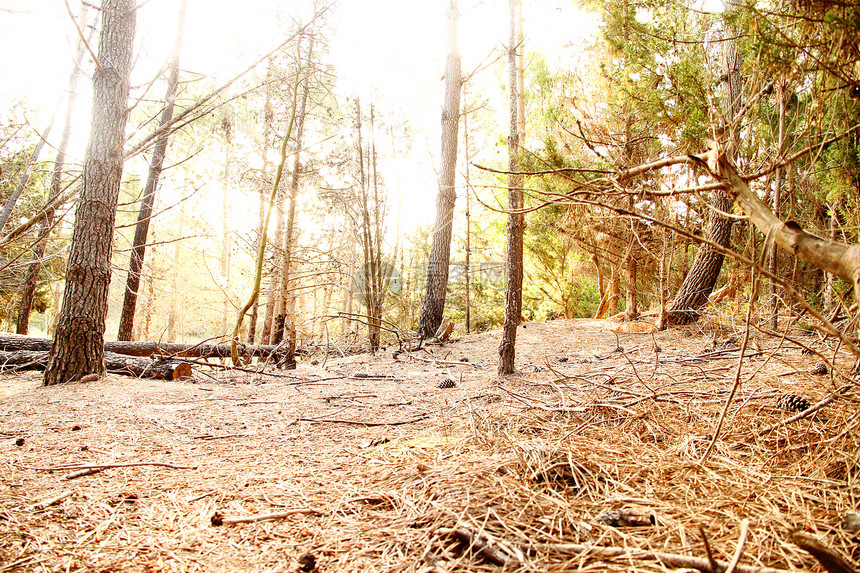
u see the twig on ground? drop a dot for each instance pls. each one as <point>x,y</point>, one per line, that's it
<point>742,541</point>
<point>832,561</point>
<point>104,466</point>
<point>481,543</point>
<point>737,381</point>
<point>52,500</point>
<point>670,559</point>
<point>218,519</point>
<point>361,423</point>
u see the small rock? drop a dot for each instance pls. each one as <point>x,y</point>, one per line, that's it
<point>851,522</point>
<point>19,442</point>
<point>308,563</point>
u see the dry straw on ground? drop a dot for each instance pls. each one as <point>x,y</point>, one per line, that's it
<point>590,459</point>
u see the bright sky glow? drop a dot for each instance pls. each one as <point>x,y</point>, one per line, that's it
<point>393,47</point>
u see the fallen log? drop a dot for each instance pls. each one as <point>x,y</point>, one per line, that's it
<point>115,363</point>
<point>278,353</point>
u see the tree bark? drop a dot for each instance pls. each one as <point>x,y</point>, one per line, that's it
<point>515,225</point>
<point>773,263</point>
<point>141,230</point>
<point>78,347</point>
<point>115,363</point>
<point>703,275</point>
<point>286,327</point>
<point>440,250</point>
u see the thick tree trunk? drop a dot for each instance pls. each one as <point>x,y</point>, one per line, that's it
<point>702,277</point>
<point>515,226</point>
<point>141,230</point>
<point>115,363</point>
<point>700,280</point>
<point>440,250</point>
<point>78,347</point>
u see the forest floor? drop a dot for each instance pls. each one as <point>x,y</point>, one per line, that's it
<point>590,458</point>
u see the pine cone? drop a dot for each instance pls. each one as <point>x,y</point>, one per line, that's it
<point>820,369</point>
<point>447,383</point>
<point>793,403</point>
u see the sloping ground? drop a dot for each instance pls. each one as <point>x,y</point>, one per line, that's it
<point>370,466</point>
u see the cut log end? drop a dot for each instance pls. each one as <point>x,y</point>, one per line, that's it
<point>182,371</point>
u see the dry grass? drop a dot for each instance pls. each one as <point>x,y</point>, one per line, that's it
<point>373,468</point>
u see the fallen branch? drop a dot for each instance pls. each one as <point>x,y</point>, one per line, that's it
<point>666,558</point>
<point>832,561</point>
<point>115,363</point>
<point>360,423</point>
<point>480,543</point>
<point>218,519</point>
<point>104,466</point>
<point>148,349</point>
<point>45,503</point>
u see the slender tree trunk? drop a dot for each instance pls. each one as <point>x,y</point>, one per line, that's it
<point>78,347</point>
<point>287,325</point>
<point>514,255</point>
<point>468,264</point>
<point>28,291</point>
<point>440,250</point>
<point>703,275</point>
<point>773,263</point>
<point>141,231</point>
<point>376,302</point>
<point>631,311</point>
<point>261,250</point>
<point>829,299</point>
<point>267,127</point>
<point>226,245</point>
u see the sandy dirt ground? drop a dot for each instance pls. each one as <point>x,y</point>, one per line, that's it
<point>364,463</point>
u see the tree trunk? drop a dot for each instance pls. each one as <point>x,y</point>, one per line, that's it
<point>261,250</point>
<point>514,255</point>
<point>141,230</point>
<point>226,245</point>
<point>440,250</point>
<point>631,311</point>
<point>773,263</point>
<point>78,347</point>
<point>468,265</point>
<point>28,291</point>
<point>267,127</point>
<point>285,326</point>
<point>702,277</point>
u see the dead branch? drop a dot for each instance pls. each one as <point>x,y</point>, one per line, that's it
<point>832,561</point>
<point>670,559</point>
<point>361,423</point>
<point>480,543</point>
<point>217,519</point>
